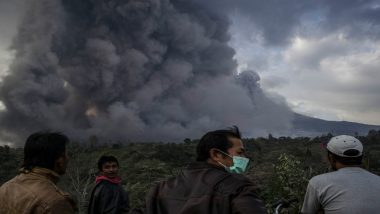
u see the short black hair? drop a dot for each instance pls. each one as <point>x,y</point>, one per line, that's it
<point>105,159</point>
<point>217,139</point>
<point>349,161</point>
<point>42,149</point>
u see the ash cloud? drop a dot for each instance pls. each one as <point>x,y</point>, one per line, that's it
<point>136,70</point>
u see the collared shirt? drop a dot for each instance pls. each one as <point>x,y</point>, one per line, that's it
<point>350,190</point>
<point>35,191</point>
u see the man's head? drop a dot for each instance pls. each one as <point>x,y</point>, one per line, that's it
<point>343,151</point>
<point>108,166</point>
<point>46,150</point>
<point>214,144</point>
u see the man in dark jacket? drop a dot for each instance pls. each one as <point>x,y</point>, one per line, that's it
<point>108,196</point>
<point>213,184</point>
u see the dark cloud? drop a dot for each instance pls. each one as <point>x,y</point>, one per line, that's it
<point>357,18</point>
<point>130,70</point>
<point>278,21</point>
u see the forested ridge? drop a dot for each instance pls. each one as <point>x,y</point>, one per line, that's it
<point>281,167</point>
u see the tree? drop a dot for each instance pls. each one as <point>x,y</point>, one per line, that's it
<point>79,177</point>
<point>289,181</point>
<point>10,162</point>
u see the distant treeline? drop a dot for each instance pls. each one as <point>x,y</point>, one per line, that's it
<point>281,167</point>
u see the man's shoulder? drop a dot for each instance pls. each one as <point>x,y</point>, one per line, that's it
<point>36,187</point>
<point>10,182</point>
<point>323,178</point>
<point>51,193</point>
<point>238,178</point>
<point>43,192</point>
<point>370,174</point>
<point>106,187</point>
<point>8,186</point>
<point>235,183</point>
<point>341,174</point>
<point>62,201</point>
<point>43,188</point>
<point>219,176</point>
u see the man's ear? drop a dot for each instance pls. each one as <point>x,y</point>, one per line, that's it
<point>215,155</point>
<point>330,157</point>
<point>60,165</point>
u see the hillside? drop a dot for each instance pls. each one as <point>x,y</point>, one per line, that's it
<point>309,126</point>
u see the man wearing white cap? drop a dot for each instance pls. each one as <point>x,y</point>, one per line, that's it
<point>349,189</point>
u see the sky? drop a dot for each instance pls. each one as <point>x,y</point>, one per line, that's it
<point>323,58</point>
<point>319,58</point>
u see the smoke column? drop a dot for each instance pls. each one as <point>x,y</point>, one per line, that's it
<point>130,70</point>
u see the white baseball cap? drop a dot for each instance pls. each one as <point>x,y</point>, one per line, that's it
<point>345,146</point>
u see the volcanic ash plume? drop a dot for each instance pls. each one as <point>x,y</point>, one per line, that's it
<point>129,70</point>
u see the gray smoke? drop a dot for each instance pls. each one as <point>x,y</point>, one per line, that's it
<point>130,70</point>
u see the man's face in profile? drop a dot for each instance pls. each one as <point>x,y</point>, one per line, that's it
<point>61,164</point>
<point>237,149</point>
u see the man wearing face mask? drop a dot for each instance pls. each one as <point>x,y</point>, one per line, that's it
<point>349,189</point>
<point>108,196</point>
<point>212,184</point>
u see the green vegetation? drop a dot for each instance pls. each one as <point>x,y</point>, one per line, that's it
<point>281,167</point>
